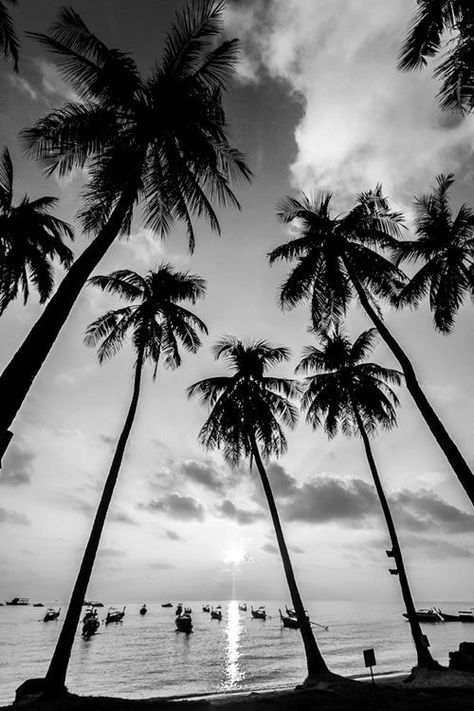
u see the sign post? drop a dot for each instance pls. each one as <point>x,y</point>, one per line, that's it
<point>369,660</point>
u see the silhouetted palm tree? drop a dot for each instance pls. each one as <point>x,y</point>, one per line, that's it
<point>30,238</point>
<point>446,246</point>
<point>158,323</point>
<point>346,393</point>
<point>444,25</point>
<point>9,43</point>
<point>159,141</point>
<point>247,411</point>
<point>339,258</point>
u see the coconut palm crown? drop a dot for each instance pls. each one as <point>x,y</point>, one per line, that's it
<point>329,249</point>
<point>248,403</point>
<point>159,141</point>
<point>342,382</point>
<point>444,26</point>
<point>9,42</point>
<point>157,321</point>
<point>445,246</point>
<point>30,238</point>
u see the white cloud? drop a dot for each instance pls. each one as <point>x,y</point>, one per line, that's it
<point>23,85</point>
<point>363,121</point>
<point>52,83</point>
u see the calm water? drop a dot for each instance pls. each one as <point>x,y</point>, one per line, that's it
<point>145,656</point>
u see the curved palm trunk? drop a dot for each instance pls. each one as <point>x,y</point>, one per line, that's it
<point>423,654</point>
<point>18,376</point>
<point>315,662</point>
<point>451,451</point>
<point>56,675</point>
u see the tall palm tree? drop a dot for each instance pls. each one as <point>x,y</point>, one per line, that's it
<point>346,393</point>
<point>158,324</point>
<point>339,258</point>
<point>435,22</point>
<point>9,42</point>
<point>445,245</point>
<point>247,411</point>
<point>160,142</point>
<point>30,238</point>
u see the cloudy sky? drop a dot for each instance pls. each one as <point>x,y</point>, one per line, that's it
<point>318,104</point>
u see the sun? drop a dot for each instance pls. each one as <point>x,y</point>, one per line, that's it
<point>234,555</point>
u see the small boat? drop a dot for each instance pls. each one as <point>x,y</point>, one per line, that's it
<point>90,627</point>
<point>143,609</point>
<point>466,615</point>
<point>18,601</point>
<point>259,614</point>
<point>206,608</point>
<point>51,614</point>
<point>431,614</point>
<point>290,613</point>
<point>35,604</point>
<point>216,614</point>
<point>90,614</point>
<point>114,615</point>
<point>289,621</point>
<point>166,604</point>
<point>184,623</point>
<point>92,603</point>
<point>243,606</point>
<point>179,609</point>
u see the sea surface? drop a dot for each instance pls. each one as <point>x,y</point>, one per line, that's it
<point>146,656</point>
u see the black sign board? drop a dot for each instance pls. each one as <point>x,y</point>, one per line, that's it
<point>369,658</point>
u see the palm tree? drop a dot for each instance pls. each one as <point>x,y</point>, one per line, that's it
<point>348,394</point>
<point>30,238</point>
<point>247,411</point>
<point>9,43</point>
<point>434,21</point>
<point>158,323</point>
<point>159,141</point>
<point>338,258</point>
<point>445,243</point>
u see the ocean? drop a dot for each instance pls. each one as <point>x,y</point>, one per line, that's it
<point>146,656</point>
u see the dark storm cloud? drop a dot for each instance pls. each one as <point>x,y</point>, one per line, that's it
<point>203,473</point>
<point>16,469</point>
<point>185,508</point>
<point>327,499</point>
<point>269,548</point>
<point>283,484</point>
<point>8,516</point>
<point>431,510</point>
<point>229,510</point>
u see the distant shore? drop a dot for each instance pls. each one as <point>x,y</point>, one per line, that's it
<point>450,692</point>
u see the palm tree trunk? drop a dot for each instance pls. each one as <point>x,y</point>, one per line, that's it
<point>56,675</point>
<point>451,451</point>
<point>314,659</point>
<point>18,376</point>
<point>423,654</point>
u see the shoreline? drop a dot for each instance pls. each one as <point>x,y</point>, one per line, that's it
<point>430,691</point>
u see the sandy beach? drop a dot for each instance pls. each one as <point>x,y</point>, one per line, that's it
<point>449,691</point>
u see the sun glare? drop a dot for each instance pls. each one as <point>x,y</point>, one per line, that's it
<point>234,555</point>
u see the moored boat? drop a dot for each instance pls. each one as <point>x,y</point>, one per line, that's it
<point>431,614</point>
<point>90,627</point>
<point>114,615</point>
<point>184,623</point>
<point>216,614</point>
<point>166,604</point>
<point>206,608</point>
<point>51,614</point>
<point>289,621</point>
<point>35,604</point>
<point>18,601</point>
<point>243,606</point>
<point>466,615</point>
<point>143,609</point>
<point>260,613</point>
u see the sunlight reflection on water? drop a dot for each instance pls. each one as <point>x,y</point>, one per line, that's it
<point>233,630</point>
